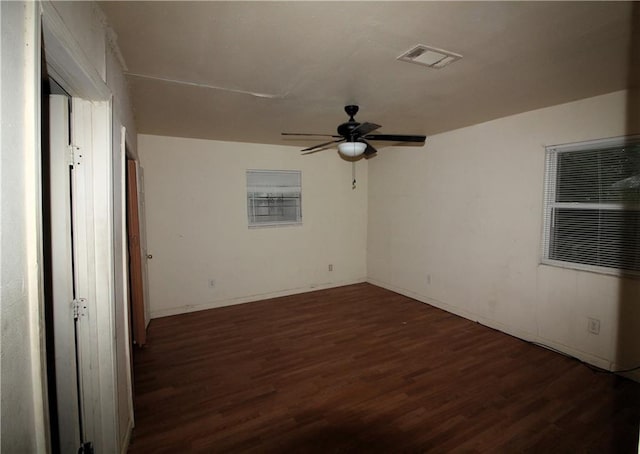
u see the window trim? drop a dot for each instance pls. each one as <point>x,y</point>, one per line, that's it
<point>550,179</point>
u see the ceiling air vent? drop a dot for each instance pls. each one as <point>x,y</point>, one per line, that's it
<point>429,56</point>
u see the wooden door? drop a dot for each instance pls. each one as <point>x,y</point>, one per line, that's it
<point>135,256</point>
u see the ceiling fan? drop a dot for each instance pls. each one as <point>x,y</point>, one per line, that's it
<point>353,137</point>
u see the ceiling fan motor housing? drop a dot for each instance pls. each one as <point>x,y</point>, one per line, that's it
<point>345,130</point>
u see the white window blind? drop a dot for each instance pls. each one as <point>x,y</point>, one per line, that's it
<point>592,205</point>
<point>274,197</point>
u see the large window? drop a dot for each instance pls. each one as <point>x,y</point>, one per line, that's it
<point>592,205</point>
<point>274,197</point>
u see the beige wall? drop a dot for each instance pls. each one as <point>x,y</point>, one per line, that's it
<point>197,224</point>
<point>458,224</point>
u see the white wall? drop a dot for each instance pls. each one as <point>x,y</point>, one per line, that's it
<point>197,224</point>
<point>458,224</point>
<point>21,377</point>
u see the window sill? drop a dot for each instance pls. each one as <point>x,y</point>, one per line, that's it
<point>622,274</point>
<point>275,224</point>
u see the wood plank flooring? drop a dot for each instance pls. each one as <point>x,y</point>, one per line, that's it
<point>363,369</point>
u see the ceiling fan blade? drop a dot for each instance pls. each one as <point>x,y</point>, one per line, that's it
<point>369,151</point>
<point>312,151</point>
<point>305,134</point>
<point>322,145</point>
<point>396,138</point>
<point>365,128</point>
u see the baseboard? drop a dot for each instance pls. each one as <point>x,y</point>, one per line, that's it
<point>250,298</point>
<point>633,375</point>
<point>586,357</point>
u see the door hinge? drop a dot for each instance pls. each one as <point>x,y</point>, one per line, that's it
<point>74,156</point>
<point>79,308</point>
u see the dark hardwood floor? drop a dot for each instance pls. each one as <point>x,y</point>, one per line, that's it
<point>363,369</point>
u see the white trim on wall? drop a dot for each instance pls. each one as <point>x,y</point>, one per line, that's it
<point>125,437</point>
<point>33,202</point>
<point>66,61</point>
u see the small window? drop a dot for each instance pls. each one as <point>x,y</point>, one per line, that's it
<point>274,197</point>
<point>592,205</point>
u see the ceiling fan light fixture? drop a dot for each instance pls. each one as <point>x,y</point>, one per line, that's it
<point>352,149</point>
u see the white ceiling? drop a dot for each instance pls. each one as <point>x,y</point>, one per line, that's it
<point>246,71</point>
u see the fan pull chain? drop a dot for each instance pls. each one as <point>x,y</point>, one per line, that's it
<point>353,174</point>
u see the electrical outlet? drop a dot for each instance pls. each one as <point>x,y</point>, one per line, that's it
<point>330,267</point>
<point>593,326</point>
<point>212,283</point>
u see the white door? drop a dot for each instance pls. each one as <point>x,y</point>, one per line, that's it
<point>69,419</point>
<point>75,368</point>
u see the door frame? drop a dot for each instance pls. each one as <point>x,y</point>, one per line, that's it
<point>92,117</point>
